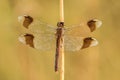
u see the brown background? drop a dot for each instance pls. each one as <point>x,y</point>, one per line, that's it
<point>19,62</point>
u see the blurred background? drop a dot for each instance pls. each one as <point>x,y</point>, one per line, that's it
<point>20,62</point>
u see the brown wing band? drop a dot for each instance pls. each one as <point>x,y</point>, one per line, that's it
<point>91,24</point>
<point>28,20</point>
<point>29,39</point>
<point>87,42</point>
<point>94,24</point>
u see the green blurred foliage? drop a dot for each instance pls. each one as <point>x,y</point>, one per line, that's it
<point>19,62</point>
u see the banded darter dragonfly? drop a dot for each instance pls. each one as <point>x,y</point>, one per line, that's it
<point>46,37</point>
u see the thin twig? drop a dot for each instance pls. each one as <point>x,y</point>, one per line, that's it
<point>62,60</point>
<point>61,11</point>
<point>62,42</point>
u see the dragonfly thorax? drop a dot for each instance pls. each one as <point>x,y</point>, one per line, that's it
<point>60,24</point>
<point>60,29</point>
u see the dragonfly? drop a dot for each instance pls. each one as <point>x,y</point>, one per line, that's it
<point>43,36</point>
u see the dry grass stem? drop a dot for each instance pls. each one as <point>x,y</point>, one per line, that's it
<point>61,11</point>
<point>62,42</point>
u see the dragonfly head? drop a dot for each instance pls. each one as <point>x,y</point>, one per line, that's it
<point>60,24</point>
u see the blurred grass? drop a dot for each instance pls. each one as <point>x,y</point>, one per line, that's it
<point>19,62</point>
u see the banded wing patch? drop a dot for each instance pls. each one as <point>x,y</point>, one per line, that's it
<point>25,20</point>
<point>94,24</point>
<point>78,43</point>
<point>27,39</point>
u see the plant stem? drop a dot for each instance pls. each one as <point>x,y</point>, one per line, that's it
<point>62,60</point>
<point>61,11</point>
<point>62,42</point>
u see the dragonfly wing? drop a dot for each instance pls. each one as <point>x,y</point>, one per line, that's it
<point>77,43</point>
<point>35,25</point>
<point>41,42</point>
<point>84,29</point>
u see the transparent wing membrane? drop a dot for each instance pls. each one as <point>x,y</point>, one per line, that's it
<point>73,44</point>
<point>41,28</point>
<point>81,30</point>
<point>46,42</point>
